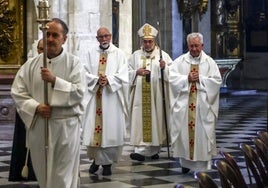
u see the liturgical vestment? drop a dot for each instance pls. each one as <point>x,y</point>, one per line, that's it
<point>206,108</point>
<point>64,124</point>
<point>148,131</point>
<point>114,100</point>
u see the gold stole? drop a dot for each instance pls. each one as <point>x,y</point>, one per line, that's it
<point>192,113</point>
<point>98,117</point>
<point>146,106</point>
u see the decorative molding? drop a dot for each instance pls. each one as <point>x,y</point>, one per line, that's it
<point>7,107</point>
<point>226,66</point>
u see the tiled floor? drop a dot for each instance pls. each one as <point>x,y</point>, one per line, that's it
<point>242,114</point>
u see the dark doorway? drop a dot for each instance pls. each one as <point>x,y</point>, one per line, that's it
<point>256,22</point>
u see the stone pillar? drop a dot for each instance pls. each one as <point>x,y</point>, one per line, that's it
<point>177,32</point>
<point>105,8</point>
<point>83,20</point>
<point>125,26</point>
<point>148,11</point>
<point>204,24</point>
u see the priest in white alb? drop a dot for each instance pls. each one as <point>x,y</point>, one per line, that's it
<point>104,128</point>
<point>195,82</point>
<point>56,165</point>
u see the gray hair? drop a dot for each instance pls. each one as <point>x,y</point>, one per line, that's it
<point>194,35</point>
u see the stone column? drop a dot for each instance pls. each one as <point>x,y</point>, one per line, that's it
<point>105,8</point>
<point>204,24</point>
<point>125,26</point>
<point>84,19</point>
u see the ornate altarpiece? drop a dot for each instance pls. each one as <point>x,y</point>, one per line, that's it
<point>12,49</point>
<point>12,53</point>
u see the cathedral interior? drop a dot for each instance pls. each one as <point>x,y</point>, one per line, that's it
<point>235,35</point>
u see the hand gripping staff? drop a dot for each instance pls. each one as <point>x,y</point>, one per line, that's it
<point>163,90</point>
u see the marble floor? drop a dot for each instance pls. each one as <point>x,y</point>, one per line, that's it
<point>242,114</point>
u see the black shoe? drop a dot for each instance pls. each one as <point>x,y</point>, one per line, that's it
<point>93,168</point>
<point>155,157</point>
<point>185,170</point>
<point>106,170</point>
<point>137,157</point>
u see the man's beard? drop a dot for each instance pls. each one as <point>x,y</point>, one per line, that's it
<point>148,50</point>
<point>104,45</point>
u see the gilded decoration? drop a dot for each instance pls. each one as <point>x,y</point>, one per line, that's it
<point>232,6</point>
<point>6,29</point>
<point>187,8</point>
<point>226,29</point>
<point>147,30</point>
<point>11,35</point>
<point>232,41</point>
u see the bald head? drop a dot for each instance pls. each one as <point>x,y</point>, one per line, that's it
<point>104,37</point>
<point>102,30</point>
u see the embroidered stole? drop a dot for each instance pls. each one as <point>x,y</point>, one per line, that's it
<point>98,118</point>
<point>192,113</point>
<point>146,105</point>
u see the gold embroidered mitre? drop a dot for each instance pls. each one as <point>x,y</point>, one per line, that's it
<point>147,31</point>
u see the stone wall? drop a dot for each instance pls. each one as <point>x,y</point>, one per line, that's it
<point>83,18</point>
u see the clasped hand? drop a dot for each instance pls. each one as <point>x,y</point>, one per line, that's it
<point>142,72</point>
<point>103,81</point>
<point>193,77</point>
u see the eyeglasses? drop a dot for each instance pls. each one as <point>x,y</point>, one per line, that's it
<point>148,41</point>
<point>194,45</point>
<point>103,36</point>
